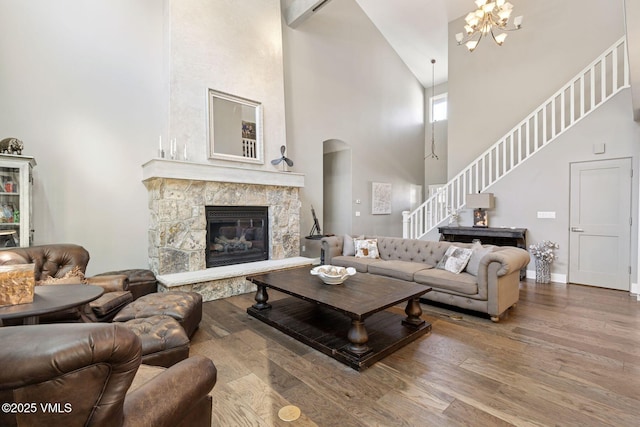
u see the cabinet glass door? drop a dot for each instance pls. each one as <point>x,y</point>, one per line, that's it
<point>9,206</point>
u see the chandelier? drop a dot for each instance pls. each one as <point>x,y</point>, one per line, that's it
<point>489,18</point>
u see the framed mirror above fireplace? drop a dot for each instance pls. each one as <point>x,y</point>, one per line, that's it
<point>235,128</point>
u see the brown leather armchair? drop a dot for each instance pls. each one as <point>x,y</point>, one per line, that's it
<point>58,260</point>
<point>81,374</point>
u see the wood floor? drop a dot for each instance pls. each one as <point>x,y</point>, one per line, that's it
<point>567,355</point>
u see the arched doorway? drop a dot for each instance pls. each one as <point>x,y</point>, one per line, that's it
<point>337,187</point>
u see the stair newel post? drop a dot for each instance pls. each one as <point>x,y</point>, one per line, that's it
<point>406,224</point>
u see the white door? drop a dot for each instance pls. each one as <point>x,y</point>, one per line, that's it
<point>600,223</point>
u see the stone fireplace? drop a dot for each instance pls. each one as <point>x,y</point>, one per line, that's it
<point>179,193</point>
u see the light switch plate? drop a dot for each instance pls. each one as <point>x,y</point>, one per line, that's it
<point>547,215</point>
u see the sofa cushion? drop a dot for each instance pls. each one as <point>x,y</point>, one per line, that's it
<point>455,259</point>
<point>360,264</point>
<point>398,269</point>
<point>367,248</point>
<point>442,280</point>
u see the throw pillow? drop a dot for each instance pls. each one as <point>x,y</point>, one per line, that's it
<point>455,259</point>
<point>367,248</point>
<point>348,246</point>
<point>75,276</point>
<point>478,253</point>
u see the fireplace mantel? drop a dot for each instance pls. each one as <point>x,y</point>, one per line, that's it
<point>177,169</point>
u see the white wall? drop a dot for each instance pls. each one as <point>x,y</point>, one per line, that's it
<point>495,87</point>
<point>81,85</point>
<point>435,170</point>
<point>90,85</point>
<point>232,47</point>
<point>542,183</point>
<point>343,81</point>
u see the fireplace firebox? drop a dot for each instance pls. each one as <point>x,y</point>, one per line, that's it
<point>237,234</point>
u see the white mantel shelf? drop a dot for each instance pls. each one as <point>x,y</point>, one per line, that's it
<point>235,270</point>
<point>178,169</point>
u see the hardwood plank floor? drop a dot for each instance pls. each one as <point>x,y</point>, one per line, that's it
<point>567,355</point>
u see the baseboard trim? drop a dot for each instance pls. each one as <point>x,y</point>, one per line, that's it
<point>555,277</point>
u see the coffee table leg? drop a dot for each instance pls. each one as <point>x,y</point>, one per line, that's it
<point>358,338</point>
<point>261,299</point>
<point>414,311</point>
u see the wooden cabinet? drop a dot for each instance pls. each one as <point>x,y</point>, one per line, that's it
<point>16,181</point>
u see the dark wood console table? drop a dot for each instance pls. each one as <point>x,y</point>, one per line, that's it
<point>488,236</point>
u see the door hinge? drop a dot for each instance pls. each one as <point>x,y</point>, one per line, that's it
<point>629,269</point>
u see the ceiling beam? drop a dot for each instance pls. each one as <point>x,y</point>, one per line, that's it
<point>299,10</point>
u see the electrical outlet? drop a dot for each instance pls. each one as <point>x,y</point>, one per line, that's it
<point>357,213</point>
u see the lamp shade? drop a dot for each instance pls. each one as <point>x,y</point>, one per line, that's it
<point>480,201</point>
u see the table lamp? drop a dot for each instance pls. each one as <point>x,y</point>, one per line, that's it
<point>479,202</point>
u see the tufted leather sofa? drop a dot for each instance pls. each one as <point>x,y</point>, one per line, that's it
<point>492,290</point>
<point>92,371</point>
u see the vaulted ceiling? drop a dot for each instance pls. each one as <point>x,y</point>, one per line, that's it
<point>418,31</point>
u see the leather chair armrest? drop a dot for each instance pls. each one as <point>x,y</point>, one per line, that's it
<point>172,394</point>
<point>112,283</point>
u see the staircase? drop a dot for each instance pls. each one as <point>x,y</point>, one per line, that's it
<point>592,87</point>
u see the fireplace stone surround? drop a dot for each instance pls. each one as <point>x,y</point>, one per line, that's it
<point>178,193</point>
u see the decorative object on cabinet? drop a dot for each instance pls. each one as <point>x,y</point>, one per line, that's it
<point>11,146</point>
<point>16,181</point>
<point>479,202</point>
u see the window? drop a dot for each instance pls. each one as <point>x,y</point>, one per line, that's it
<point>438,107</point>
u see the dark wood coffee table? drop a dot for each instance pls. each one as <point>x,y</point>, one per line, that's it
<point>331,318</point>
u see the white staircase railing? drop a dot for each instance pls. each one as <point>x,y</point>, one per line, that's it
<point>589,89</point>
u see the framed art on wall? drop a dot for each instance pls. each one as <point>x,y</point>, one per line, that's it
<point>380,198</point>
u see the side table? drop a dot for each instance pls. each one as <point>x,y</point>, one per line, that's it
<point>49,299</point>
